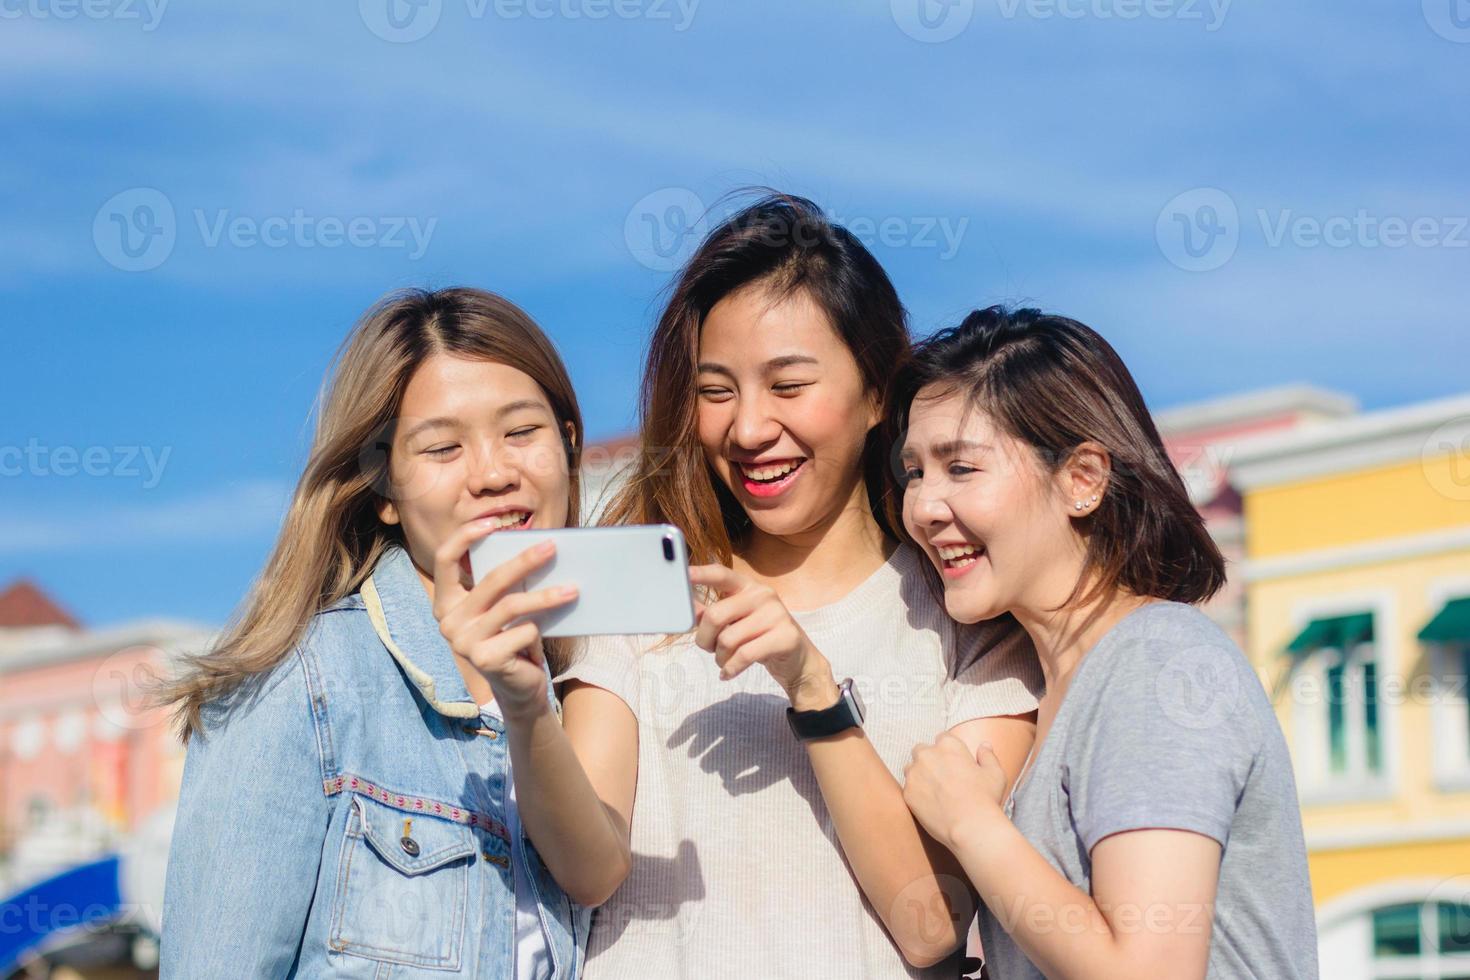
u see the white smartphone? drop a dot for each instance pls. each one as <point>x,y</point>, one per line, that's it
<point>632,579</point>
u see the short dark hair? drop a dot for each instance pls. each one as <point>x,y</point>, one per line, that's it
<point>1055,383</point>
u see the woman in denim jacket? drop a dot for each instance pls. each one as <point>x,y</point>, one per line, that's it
<point>348,807</point>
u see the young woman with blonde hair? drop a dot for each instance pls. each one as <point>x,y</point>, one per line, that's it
<point>377,780</point>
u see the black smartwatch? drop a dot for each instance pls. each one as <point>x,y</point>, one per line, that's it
<point>846,713</point>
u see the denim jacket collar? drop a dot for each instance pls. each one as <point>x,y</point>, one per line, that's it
<point>403,618</point>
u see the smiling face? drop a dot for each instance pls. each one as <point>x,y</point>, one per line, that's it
<point>990,517</point>
<point>783,412</point>
<point>474,439</point>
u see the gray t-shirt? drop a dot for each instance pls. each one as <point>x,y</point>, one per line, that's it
<point>1165,725</point>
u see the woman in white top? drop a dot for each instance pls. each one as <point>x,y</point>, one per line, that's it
<point>763,848</point>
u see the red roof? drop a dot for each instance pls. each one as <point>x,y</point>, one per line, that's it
<point>24,604</point>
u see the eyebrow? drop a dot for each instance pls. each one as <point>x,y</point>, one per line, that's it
<point>444,421</point>
<point>774,364</point>
<point>950,447</point>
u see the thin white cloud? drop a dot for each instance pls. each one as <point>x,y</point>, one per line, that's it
<point>230,513</point>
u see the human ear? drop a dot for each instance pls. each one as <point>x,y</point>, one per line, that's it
<point>1084,478</point>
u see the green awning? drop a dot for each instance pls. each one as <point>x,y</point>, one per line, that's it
<point>1334,633</point>
<point>1450,625</point>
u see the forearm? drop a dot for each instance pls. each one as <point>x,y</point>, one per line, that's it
<point>914,884</point>
<point>1057,925</point>
<point>582,841</point>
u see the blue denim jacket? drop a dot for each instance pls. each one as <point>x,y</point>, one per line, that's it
<point>344,818</point>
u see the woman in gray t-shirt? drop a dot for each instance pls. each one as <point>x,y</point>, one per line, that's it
<point>1154,829</point>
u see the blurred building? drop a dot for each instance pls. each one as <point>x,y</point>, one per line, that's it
<point>605,465</point>
<point>83,760</point>
<point>1202,438</point>
<point>1357,591</point>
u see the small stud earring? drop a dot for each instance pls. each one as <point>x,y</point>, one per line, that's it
<point>1078,504</point>
<point>1094,498</point>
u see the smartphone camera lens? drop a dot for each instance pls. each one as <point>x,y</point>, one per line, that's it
<point>668,549</point>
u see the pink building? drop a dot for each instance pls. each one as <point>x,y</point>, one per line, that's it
<point>83,761</point>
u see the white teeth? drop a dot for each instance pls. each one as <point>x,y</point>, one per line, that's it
<point>769,472</point>
<point>956,551</point>
<point>509,520</point>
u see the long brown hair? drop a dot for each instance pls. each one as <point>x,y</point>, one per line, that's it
<point>331,537</point>
<point>785,244</point>
<point>1055,383</point>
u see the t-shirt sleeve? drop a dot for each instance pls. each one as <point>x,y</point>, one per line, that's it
<point>608,662</point>
<point>1168,741</point>
<point>993,672</point>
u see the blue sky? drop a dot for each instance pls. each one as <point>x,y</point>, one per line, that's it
<point>1054,152</point>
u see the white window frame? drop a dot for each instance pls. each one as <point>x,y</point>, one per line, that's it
<point>1311,749</point>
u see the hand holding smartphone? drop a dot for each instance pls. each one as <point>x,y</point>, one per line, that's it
<point>630,580</point>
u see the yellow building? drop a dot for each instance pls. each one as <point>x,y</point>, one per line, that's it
<point>1357,581</point>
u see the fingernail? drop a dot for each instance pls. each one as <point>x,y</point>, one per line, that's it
<point>567,591</point>
<point>546,547</point>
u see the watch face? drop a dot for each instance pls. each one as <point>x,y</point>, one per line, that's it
<point>857,700</point>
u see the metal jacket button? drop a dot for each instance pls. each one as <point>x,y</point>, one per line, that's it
<point>410,846</point>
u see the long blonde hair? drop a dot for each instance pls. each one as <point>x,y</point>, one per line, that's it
<point>331,537</point>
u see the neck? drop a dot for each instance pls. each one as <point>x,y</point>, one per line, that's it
<point>822,563</point>
<point>1064,636</point>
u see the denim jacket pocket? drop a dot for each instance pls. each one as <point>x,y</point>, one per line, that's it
<point>402,887</point>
